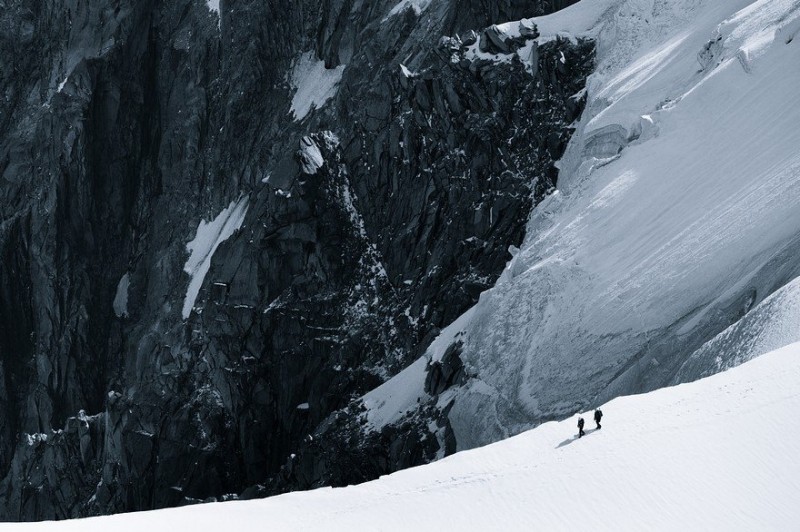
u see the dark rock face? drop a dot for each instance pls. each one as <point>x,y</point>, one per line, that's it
<point>371,224</point>
<point>447,372</point>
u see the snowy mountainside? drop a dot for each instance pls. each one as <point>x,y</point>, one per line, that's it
<point>716,454</point>
<point>221,222</point>
<point>227,227</point>
<point>774,323</point>
<point>677,212</point>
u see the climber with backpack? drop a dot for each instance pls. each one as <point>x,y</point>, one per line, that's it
<point>598,415</point>
<point>580,427</point>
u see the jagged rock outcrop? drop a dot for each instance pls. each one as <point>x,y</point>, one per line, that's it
<point>371,223</point>
<point>447,372</point>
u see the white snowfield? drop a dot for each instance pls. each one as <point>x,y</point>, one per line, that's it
<point>716,454</point>
<point>678,211</point>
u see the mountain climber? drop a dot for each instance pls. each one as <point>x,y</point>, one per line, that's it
<point>598,415</point>
<point>580,427</point>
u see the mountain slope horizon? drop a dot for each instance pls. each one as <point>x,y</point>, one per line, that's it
<point>259,246</point>
<point>717,453</point>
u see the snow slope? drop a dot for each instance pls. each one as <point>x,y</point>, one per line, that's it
<point>678,211</point>
<point>716,454</point>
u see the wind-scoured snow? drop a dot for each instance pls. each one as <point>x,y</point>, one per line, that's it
<point>206,241</point>
<point>677,210</point>
<point>716,454</point>
<point>314,84</point>
<point>771,325</point>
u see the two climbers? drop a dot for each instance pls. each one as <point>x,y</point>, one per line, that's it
<point>598,415</point>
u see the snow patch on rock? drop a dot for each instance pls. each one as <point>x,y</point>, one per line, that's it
<point>121,298</point>
<point>397,396</point>
<point>417,5</point>
<point>311,158</point>
<point>314,84</point>
<point>207,239</point>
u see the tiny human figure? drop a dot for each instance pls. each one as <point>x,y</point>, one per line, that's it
<point>580,427</point>
<point>598,415</point>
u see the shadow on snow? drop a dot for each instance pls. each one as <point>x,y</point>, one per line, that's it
<point>574,438</point>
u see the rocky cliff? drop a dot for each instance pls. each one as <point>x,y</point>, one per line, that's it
<point>220,224</point>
